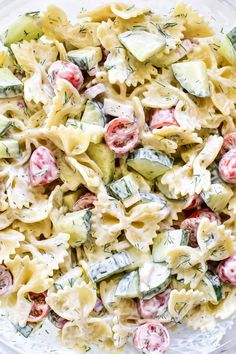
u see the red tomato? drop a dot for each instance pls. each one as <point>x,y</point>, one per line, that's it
<point>56,320</point>
<point>229,142</point>
<point>193,202</point>
<point>227,167</point>
<point>162,118</point>
<point>67,71</point>
<point>5,280</point>
<point>39,308</point>
<point>192,222</point>
<point>156,306</point>
<point>226,270</point>
<point>121,135</point>
<point>151,338</point>
<point>42,167</point>
<point>86,201</point>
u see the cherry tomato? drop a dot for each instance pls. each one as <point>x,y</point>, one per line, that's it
<point>151,338</point>
<point>6,280</point>
<point>193,202</point>
<point>162,118</point>
<point>121,135</point>
<point>226,270</point>
<point>98,306</point>
<point>42,167</point>
<point>56,320</point>
<point>156,306</point>
<point>229,142</point>
<point>39,308</point>
<point>86,201</point>
<point>227,167</point>
<point>192,222</point>
<point>67,71</point>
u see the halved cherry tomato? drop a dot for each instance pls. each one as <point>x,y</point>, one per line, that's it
<point>151,338</point>
<point>86,201</point>
<point>6,280</point>
<point>229,142</point>
<point>40,308</point>
<point>156,306</point>
<point>42,167</point>
<point>56,320</point>
<point>162,118</point>
<point>227,167</point>
<point>67,71</point>
<point>192,222</point>
<point>193,202</point>
<point>122,135</point>
<point>226,270</point>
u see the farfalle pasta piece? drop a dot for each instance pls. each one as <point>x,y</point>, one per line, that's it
<point>14,107</point>
<point>6,218</point>
<point>227,306</point>
<point>215,241</point>
<point>107,290</point>
<point>43,227</point>
<point>10,240</point>
<point>221,100</point>
<point>108,35</point>
<point>158,95</point>
<point>158,142</point>
<point>70,176</point>
<point>181,302</point>
<point>201,317</point>
<point>126,12</point>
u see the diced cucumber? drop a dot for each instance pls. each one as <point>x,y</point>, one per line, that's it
<point>112,265</point>
<point>9,149</point>
<point>96,131</point>
<point>70,198</point>
<point>142,44</point>
<point>152,197</point>
<point>164,189</point>
<point>228,47</point>
<point>93,114</point>
<point>192,76</point>
<point>26,27</point>
<point>211,287</point>
<point>167,240</point>
<point>215,175</point>
<point>5,124</point>
<point>86,58</point>
<point>77,224</point>
<point>104,158</point>
<point>154,279</point>
<point>26,330</point>
<point>10,86</point>
<point>217,197</point>
<point>128,286</point>
<point>118,109</point>
<point>125,189</point>
<point>149,163</point>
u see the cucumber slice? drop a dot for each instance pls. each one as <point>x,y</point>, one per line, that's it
<point>95,131</point>
<point>153,279</point>
<point>211,287</point>
<point>25,331</point>
<point>228,47</point>
<point>142,44</point>
<point>112,265</point>
<point>217,197</point>
<point>128,286</point>
<point>86,58</point>
<point>26,27</point>
<point>117,109</point>
<point>167,240</point>
<point>104,158</point>
<point>215,175</point>
<point>151,197</point>
<point>192,75</point>
<point>70,198</point>
<point>78,225</point>
<point>10,86</point>
<point>125,189</point>
<point>5,124</point>
<point>149,163</point>
<point>9,149</point>
<point>93,114</point>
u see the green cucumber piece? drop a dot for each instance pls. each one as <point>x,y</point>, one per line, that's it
<point>78,225</point>
<point>110,266</point>
<point>149,163</point>
<point>96,132</point>
<point>211,287</point>
<point>70,198</point>
<point>153,279</point>
<point>5,124</point>
<point>128,286</point>
<point>166,241</point>
<point>26,27</point>
<point>215,175</point>
<point>125,189</point>
<point>26,330</point>
<point>93,114</point>
<point>86,58</point>
<point>10,86</point>
<point>151,197</point>
<point>104,158</point>
<point>192,76</point>
<point>228,47</point>
<point>9,149</point>
<point>142,44</point>
<point>217,197</point>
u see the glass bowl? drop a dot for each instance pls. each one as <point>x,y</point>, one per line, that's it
<point>221,14</point>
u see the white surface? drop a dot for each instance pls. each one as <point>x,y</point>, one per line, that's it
<point>183,341</point>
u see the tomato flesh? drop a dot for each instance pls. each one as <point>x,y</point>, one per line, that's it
<point>66,71</point>
<point>6,280</point>
<point>227,167</point>
<point>162,118</point>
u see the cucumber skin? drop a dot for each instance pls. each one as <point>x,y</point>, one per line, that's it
<point>9,149</point>
<point>232,37</point>
<point>216,285</point>
<point>11,91</point>
<point>5,124</point>
<point>83,63</point>
<point>121,189</point>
